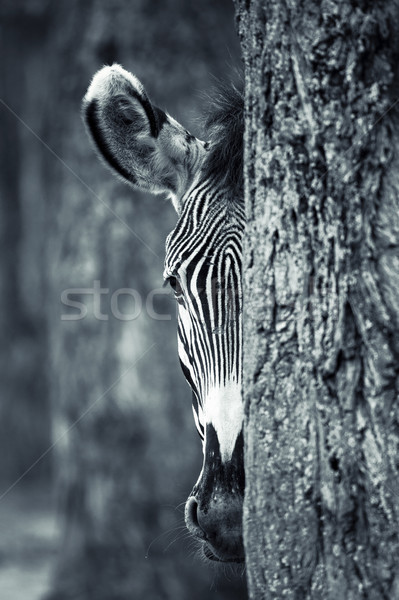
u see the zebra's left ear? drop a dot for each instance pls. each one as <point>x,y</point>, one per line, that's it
<point>139,141</point>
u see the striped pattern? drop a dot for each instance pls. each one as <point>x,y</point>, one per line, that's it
<point>204,254</point>
<point>151,151</point>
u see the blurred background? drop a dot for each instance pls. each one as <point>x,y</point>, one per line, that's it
<point>97,440</point>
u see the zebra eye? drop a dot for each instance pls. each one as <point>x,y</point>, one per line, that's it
<point>175,285</point>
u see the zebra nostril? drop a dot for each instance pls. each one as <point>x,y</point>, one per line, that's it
<point>218,525</point>
<point>192,518</point>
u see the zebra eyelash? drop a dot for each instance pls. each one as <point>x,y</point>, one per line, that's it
<point>174,283</point>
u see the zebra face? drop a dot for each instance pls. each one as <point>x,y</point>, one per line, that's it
<point>151,151</point>
<point>203,266</point>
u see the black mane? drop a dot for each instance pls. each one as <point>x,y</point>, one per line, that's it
<point>225,134</point>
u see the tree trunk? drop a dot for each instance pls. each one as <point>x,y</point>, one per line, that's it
<point>321,326</point>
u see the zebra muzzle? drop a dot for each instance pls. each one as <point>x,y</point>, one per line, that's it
<point>218,525</point>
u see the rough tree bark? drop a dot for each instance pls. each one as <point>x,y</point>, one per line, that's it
<point>321,321</point>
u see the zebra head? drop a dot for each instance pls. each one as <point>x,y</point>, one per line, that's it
<point>151,151</point>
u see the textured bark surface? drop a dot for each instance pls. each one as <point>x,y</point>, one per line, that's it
<point>321,299</point>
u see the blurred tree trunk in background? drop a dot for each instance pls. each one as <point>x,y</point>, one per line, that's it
<point>126,449</point>
<point>24,406</point>
<point>321,320</point>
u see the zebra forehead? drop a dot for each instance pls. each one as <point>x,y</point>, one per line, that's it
<point>218,232</point>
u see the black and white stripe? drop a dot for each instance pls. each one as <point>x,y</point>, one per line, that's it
<point>204,254</point>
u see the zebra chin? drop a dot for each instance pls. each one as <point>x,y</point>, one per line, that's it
<point>214,509</point>
<point>233,554</point>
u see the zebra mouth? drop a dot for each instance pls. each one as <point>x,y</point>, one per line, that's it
<point>211,555</point>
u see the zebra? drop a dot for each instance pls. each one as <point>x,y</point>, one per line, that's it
<point>147,148</point>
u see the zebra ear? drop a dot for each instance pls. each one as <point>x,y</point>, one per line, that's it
<point>121,121</point>
<point>139,141</point>
<point>130,112</point>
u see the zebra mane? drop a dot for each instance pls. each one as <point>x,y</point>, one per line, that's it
<point>225,134</point>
